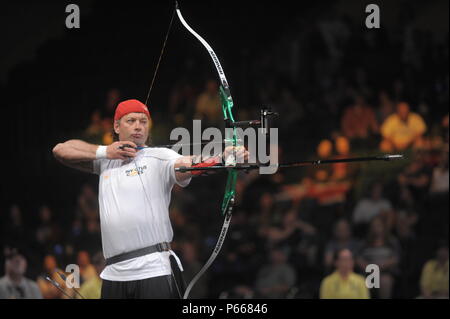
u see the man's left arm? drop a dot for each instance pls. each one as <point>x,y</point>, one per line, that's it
<point>194,161</point>
<point>189,161</point>
<point>185,161</point>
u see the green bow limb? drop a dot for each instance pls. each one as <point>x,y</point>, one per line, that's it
<point>230,140</point>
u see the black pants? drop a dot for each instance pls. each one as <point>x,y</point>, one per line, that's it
<point>162,287</point>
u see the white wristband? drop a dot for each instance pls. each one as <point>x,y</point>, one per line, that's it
<point>101,152</point>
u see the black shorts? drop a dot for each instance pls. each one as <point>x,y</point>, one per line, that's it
<point>162,287</point>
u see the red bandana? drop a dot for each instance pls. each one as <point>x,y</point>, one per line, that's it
<point>130,106</point>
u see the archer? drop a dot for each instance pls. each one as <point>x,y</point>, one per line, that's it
<point>135,184</point>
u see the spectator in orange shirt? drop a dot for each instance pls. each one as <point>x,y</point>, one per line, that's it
<point>359,121</point>
<point>342,171</point>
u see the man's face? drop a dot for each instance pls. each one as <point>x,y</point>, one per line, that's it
<point>403,110</point>
<point>133,127</point>
<point>342,230</point>
<point>211,87</point>
<point>344,262</point>
<point>16,265</point>
<point>377,227</point>
<point>377,191</point>
<point>277,257</point>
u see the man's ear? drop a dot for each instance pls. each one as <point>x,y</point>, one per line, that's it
<point>116,126</point>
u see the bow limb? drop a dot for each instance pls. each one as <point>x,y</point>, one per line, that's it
<point>230,140</point>
<point>211,52</point>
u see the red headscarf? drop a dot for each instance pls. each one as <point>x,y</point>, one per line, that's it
<point>130,106</point>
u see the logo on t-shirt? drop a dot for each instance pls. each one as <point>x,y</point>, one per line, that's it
<point>136,171</point>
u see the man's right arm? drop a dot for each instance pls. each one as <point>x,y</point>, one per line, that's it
<point>80,155</point>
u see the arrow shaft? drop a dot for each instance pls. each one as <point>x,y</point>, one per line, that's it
<point>293,164</point>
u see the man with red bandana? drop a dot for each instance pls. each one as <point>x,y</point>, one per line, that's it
<point>135,184</point>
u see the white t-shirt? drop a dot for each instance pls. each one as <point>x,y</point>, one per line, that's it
<point>134,198</point>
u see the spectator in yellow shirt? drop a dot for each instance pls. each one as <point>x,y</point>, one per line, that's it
<point>91,289</point>
<point>434,280</point>
<point>402,129</point>
<point>344,283</point>
<point>87,270</point>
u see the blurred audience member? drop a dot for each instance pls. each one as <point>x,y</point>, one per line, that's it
<point>369,207</point>
<point>100,127</point>
<point>94,132</point>
<point>48,290</point>
<point>91,288</point>
<point>434,280</point>
<point>113,97</point>
<point>402,129</point>
<point>344,283</point>
<point>242,252</point>
<point>13,229</point>
<point>87,203</point>
<point>444,125</point>
<point>14,284</point>
<point>287,229</point>
<point>358,121</point>
<point>89,239</point>
<point>290,223</point>
<point>208,104</point>
<point>415,178</point>
<point>404,226</point>
<point>325,149</point>
<point>321,173</point>
<point>87,270</point>
<point>182,101</point>
<point>342,239</point>
<point>238,292</point>
<point>276,279</point>
<point>342,171</point>
<point>383,250</point>
<point>48,232</point>
<point>438,200</point>
<point>386,106</point>
<point>405,232</point>
<point>440,179</point>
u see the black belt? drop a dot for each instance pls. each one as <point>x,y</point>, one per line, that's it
<point>138,253</point>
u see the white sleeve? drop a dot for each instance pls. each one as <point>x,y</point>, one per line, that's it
<point>97,166</point>
<point>173,176</point>
<point>168,158</point>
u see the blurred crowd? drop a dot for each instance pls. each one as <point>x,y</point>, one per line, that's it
<point>341,91</point>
